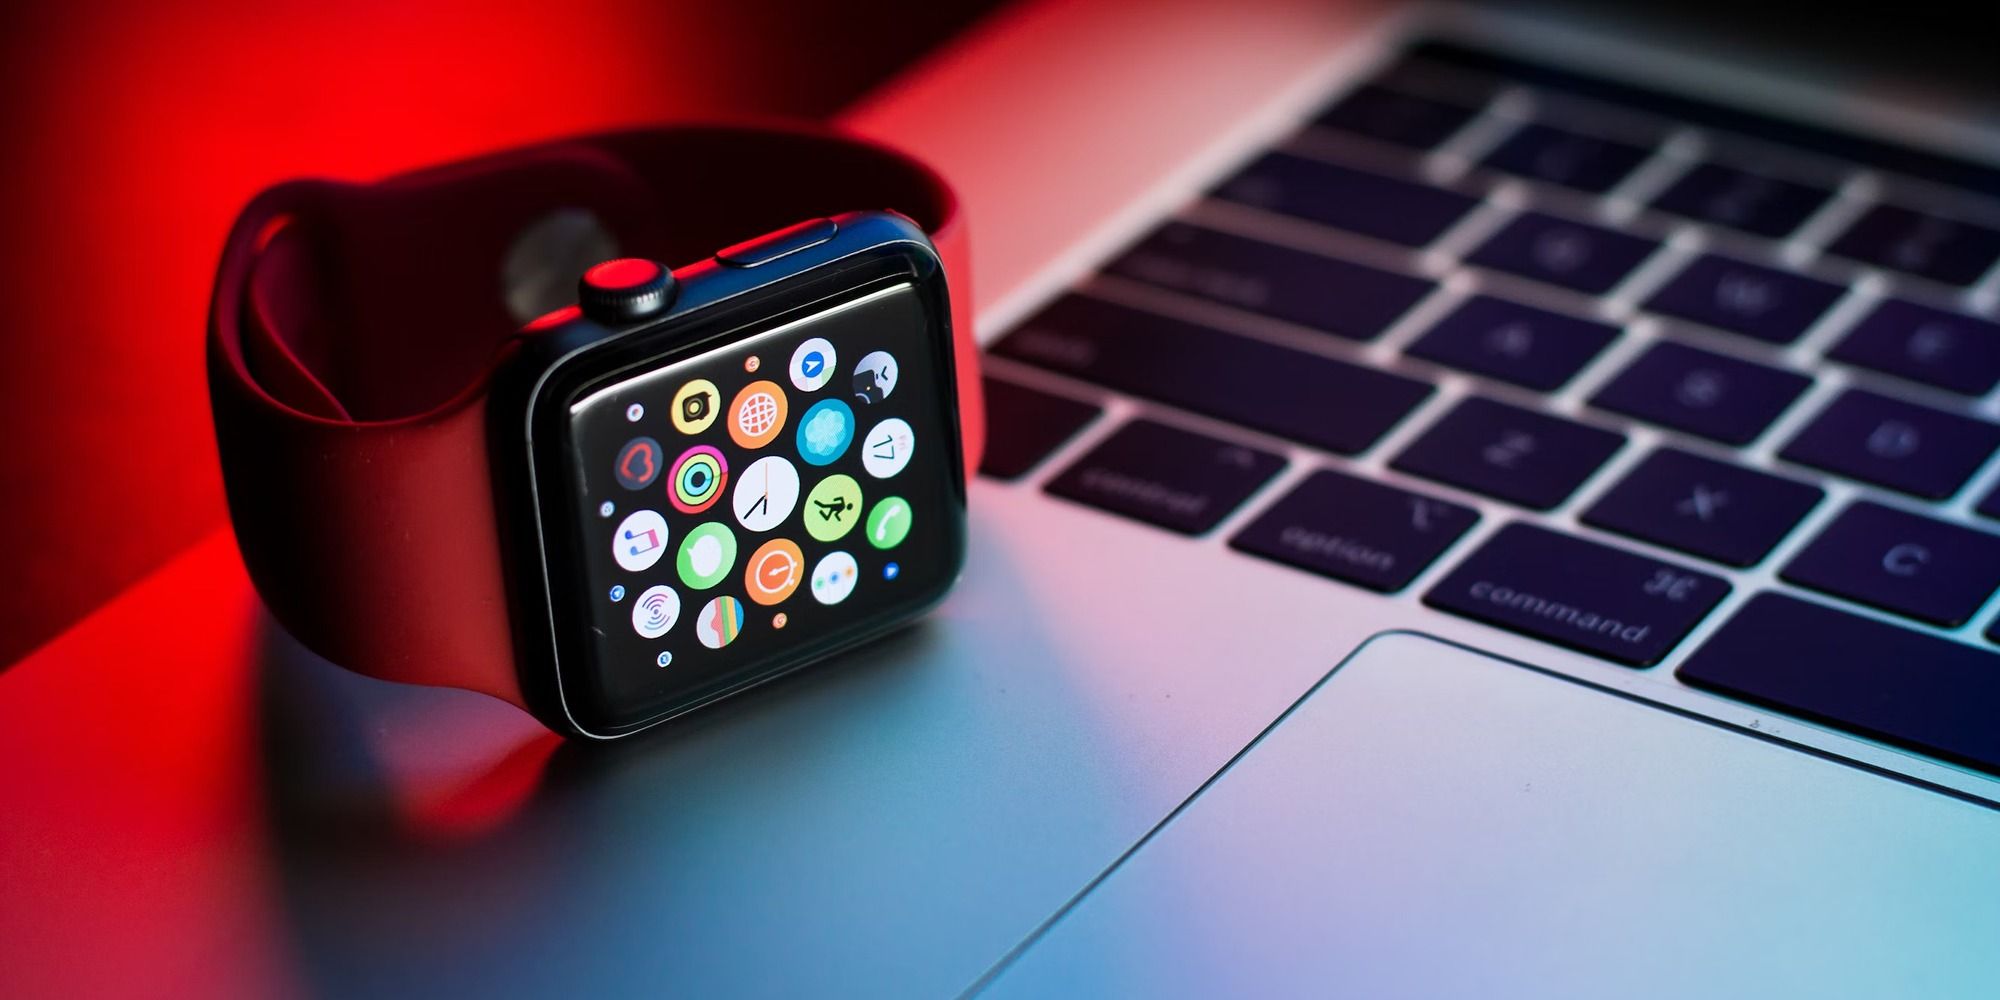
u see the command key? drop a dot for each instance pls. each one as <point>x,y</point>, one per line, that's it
<point>1579,594</point>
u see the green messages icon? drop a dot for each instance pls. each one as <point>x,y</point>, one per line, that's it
<point>707,554</point>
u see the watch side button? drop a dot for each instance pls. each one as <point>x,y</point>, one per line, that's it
<point>772,246</point>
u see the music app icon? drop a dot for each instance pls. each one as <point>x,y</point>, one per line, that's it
<point>640,541</point>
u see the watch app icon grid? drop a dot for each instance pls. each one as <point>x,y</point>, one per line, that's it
<point>737,492</point>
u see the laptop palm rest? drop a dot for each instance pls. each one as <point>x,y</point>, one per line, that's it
<point>1432,821</point>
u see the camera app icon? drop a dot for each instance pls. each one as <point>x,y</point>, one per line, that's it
<point>696,405</point>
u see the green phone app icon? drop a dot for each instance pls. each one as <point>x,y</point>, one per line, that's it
<point>889,522</point>
<point>707,554</point>
<point>833,508</point>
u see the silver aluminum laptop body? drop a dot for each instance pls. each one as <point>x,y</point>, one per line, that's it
<point>1121,761</point>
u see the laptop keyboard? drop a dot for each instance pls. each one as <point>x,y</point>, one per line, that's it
<point>1489,274</point>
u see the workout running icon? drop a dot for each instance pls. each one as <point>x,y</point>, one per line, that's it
<point>831,501</point>
<point>831,510</point>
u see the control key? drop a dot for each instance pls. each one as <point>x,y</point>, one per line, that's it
<point>1177,479</point>
<point>1580,594</point>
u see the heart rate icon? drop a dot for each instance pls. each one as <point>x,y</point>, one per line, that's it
<point>638,463</point>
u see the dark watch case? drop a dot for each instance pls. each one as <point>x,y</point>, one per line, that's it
<point>717,304</point>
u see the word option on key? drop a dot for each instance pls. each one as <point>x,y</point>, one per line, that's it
<point>1357,531</point>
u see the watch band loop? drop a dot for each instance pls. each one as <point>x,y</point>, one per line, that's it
<point>354,326</point>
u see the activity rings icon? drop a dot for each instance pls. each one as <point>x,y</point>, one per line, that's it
<point>697,480</point>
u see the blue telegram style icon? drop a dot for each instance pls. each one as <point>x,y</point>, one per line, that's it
<point>825,432</point>
<point>812,364</point>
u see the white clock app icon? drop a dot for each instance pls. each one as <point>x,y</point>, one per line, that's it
<point>766,493</point>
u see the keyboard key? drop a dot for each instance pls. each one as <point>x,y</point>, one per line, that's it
<point>1386,208</point>
<point>1928,246</point>
<point>1604,601</point>
<point>1317,400</point>
<point>1559,156</point>
<point>1701,392</point>
<point>1991,505</point>
<point>1177,479</point>
<point>1393,116</point>
<point>1570,254</point>
<point>1497,71</point>
<point>1741,199</point>
<point>1897,561</point>
<point>1949,350</point>
<point>1521,456</point>
<point>1348,300</point>
<point>1506,340</point>
<point>1355,530</point>
<point>1703,507</point>
<point>1893,684</point>
<point>1024,425</point>
<point>1889,442</point>
<point>1762,302</point>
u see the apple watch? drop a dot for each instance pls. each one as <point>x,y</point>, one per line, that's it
<point>683,482</point>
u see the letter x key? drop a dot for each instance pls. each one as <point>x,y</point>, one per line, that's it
<point>1703,503</point>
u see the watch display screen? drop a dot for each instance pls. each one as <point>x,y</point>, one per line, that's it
<point>767,498</point>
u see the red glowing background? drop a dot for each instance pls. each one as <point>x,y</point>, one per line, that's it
<point>137,130</point>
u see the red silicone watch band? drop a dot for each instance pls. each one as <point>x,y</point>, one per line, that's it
<point>354,326</point>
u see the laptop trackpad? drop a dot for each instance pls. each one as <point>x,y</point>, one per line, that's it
<point>1432,821</point>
